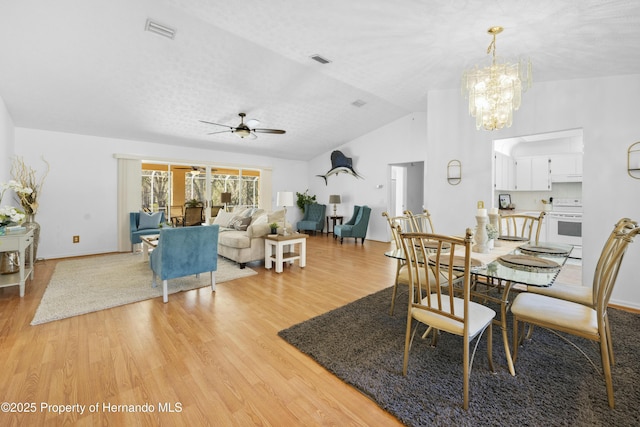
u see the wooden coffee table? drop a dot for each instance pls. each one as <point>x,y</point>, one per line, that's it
<point>274,250</point>
<point>149,243</point>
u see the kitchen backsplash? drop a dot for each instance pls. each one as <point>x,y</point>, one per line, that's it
<point>532,200</point>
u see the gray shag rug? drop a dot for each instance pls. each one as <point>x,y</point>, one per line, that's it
<point>84,285</point>
<point>554,384</point>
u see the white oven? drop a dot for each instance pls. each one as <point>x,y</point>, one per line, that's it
<point>564,224</point>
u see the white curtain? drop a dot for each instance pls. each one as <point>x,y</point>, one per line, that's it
<point>129,198</point>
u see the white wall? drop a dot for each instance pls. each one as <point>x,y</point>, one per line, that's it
<point>79,194</point>
<point>402,141</point>
<point>605,108</point>
<point>6,144</point>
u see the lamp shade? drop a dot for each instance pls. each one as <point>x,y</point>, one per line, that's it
<point>225,197</point>
<point>334,198</point>
<point>284,198</point>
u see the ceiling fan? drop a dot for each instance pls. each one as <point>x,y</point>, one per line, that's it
<point>244,130</point>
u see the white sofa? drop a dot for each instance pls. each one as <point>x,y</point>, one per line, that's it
<point>242,233</point>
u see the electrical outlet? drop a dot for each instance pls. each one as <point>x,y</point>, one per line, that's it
<point>76,239</point>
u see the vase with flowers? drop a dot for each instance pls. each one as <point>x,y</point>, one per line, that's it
<point>492,234</point>
<point>10,215</point>
<point>25,175</point>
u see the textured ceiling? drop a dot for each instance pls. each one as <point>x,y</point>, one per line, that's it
<point>89,67</point>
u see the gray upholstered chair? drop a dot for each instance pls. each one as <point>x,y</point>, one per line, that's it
<point>356,226</point>
<point>185,251</point>
<point>144,223</point>
<point>313,219</point>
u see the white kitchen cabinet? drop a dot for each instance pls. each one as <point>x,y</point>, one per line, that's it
<point>532,173</point>
<point>504,178</point>
<point>566,167</point>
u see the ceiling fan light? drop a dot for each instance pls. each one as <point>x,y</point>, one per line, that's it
<point>242,132</point>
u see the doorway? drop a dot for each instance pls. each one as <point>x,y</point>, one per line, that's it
<point>406,188</point>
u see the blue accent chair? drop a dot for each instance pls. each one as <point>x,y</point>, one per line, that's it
<point>134,227</point>
<point>313,219</point>
<point>356,226</point>
<point>185,251</point>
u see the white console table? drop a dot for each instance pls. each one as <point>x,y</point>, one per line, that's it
<point>18,242</point>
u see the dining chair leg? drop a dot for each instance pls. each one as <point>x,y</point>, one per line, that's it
<point>503,325</point>
<point>393,298</point>
<point>515,339</point>
<point>609,340</point>
<point>490,345</point>
<point>465,373</point>
<point>606,366</point>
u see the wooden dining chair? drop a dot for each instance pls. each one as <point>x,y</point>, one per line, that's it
<point>396,223</point>
<point>429,305</point>
<point>176,215</point>
<point>420,223</point>
<point>520,227</point>
<point>574,318</point>
<point>192,215</point>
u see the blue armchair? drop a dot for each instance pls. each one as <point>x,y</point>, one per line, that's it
<point>313,219</point>
<point>149,225</point>
<point>356,226</point>
<point>185,251</point>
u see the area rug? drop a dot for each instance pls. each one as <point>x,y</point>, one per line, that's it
<point>85,285</point>
<point>554,384</point>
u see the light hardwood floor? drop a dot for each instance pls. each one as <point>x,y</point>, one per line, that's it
<point>214,357</point>
<point>217,355</point>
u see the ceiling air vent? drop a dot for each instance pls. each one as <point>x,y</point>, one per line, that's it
<point>320,59</point>
<point>358,103</point>
<point>159,29</point>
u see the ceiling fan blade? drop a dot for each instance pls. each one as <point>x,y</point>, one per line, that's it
<point>222,131</point>
<point>276,131</point>
<point>251,123</point>
<point>217,124</point>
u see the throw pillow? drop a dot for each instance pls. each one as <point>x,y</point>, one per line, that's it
<point>224,219</point>
<point>241,224</point>
<point>276,216</point>
<point>149,220</point>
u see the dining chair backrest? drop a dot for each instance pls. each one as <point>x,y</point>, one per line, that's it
<point>609,262</point>
<point>449,263</point>
<point>404,222</point>
<point>521,225</point>
<point>420,223</point>
<point>192,215</point>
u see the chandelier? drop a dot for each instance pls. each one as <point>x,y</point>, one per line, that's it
<point>495,91</point>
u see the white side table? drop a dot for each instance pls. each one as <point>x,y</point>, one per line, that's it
<point>149,243</point>
<point>18,241</point>
<point>274,247</point>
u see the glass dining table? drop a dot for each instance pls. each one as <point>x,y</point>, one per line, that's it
<point>511,263</point>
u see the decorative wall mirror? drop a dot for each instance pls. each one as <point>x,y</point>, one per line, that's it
<point>633,160</point>
<point>454,172</point>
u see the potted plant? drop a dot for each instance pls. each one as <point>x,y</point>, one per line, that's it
<point>193,203</point>
<point>274,227</point>
<point>305,199</point>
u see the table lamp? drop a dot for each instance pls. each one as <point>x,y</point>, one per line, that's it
<point>284,199</point>
<point>225,198</point>
<point>335,199</point>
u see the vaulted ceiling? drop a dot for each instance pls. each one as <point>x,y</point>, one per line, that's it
<point>89,67</point>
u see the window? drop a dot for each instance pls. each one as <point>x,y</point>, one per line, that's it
<point>169,185</point>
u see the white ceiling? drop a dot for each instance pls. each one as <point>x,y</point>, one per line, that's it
<point>89,67</point>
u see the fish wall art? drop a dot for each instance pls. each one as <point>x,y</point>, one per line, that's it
<point>339,164</point>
